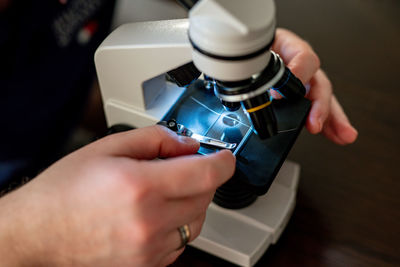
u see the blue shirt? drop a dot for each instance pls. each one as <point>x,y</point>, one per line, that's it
<point>46,71</point>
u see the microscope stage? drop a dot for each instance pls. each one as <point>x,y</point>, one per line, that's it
<point>258,161</point>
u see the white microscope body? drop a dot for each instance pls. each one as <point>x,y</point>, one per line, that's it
<point>131,65</point>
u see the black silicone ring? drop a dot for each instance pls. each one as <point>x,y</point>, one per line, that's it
<point>236,58</point>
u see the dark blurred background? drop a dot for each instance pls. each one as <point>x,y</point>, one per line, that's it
<point>348,203</point>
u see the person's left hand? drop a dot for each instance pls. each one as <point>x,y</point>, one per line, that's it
<point>110,204</point>
<point>326,115</point>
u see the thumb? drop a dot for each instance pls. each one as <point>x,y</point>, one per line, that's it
<point>145,143</point>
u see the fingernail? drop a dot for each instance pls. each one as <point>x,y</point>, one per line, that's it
<point>355,130</point>
<point>349,137</point>
<point>308,87</point>
<point>188,140</point>
<point>320,124</point>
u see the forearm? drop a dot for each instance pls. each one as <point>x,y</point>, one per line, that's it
<point>16,246</point>
<point>9,254</point>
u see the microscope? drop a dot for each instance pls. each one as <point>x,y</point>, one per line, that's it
<point>209,77</point>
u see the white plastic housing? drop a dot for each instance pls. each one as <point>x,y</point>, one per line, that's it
<point>225,70</point>
<point>231,28</point>
<point>131,63</point>
<point>242,236</point>
<point>128,11</point>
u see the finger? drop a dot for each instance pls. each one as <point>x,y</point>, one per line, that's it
<point>174,238</point>
<point>320,95</point>
<point>297,54</point>
<point>191,175</point>
<point>172,257</point>
<point>275,94</point>
<point>338,127</point>
<point>145,143</point>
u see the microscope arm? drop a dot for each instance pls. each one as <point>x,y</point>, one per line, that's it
<point>131,64</point>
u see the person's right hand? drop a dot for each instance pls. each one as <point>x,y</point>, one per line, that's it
<point>110,204</point>
<point>326,115</point>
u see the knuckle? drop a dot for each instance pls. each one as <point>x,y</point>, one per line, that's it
<point>195,234</point>
<point>140,191</point>
<point>309,54</point>
<point>197,228</point>
<point>120,176</point>
<point>136,184</point>
<point>162,132</point>
<point>164,139</point>
<point>204,205</point>
<point>210,177</point>
<point>318,112</point>
<point>328,87</point>
<point>316,59</point>
<point>159,130</point>
<point>135,189</point>
<point>143,234</point>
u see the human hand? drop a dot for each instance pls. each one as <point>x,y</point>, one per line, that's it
<point>109,204</point>
<point>326,115</point>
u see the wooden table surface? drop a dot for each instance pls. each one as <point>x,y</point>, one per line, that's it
<point>348,203</point>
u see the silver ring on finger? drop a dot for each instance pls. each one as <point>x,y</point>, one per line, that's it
<point>184,232</point>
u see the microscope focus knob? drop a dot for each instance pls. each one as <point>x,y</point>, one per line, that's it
<point>172,125</point>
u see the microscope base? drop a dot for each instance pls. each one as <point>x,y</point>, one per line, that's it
<point>242,236</point>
